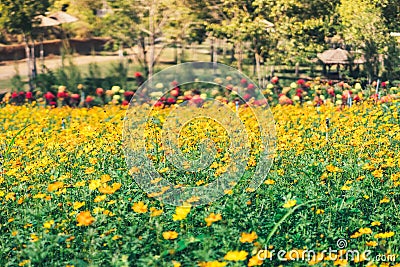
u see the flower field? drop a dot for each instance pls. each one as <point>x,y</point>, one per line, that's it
<point>67,198</point>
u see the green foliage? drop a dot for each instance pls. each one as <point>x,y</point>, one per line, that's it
<point>17,16</point>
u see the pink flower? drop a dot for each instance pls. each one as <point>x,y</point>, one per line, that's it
<point>250,86</point>
<point>75,96</point>
<point>243,81</point>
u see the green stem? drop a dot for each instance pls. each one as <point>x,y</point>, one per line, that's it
<point>284,218</point>
<point>10,145</point>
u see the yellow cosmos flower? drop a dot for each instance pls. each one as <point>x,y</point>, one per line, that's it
<point>371,243</point>
<point>255,261</point>
<point>78,205</point>
<point>84,218</point>
<point>170,235</point>
<point>139,207</point>
<point>248,237</point>
<point>55,186</point>
<point>236,255</point>
<point>181,213</point>
<point>212,218</point>
<point>212,264</point>
<point>290,203</point>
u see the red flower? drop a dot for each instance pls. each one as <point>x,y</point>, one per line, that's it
<point>89,99</point>
<point>128,93</point>
<point>29,95</point>
<point>49,96</point>
<point>138,74</point>
<point>341,84</point>
<point>125,103</point>
<point>274,79</point>
<point>301,82</point>
<point>62,95</point>
<point>52,103</point>
<point>243,81</point>
<point>171,100</point>
<point>383,84</point>
<point>99,91</point>
<point>14,95</point>
<point>158,104</point>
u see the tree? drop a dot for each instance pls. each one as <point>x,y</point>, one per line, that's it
<point>363,27</point>
<point>18,16</point>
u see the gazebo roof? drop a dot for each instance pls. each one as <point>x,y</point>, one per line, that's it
<point>46,22</point>
<point>63,17</point>
<point>337,56</point>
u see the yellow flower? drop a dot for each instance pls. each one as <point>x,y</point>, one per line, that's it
<point>375,223</point>
<point>212,264</point>
<point>139,207</point>
<point>100,198</point>
<point>345,188</point>
<point>248,237</point>
<point>176,264</point>
<point>80,184</point>
<point>236,255</point>
<point>24,262</point>
<point>365,231</point>
<point>48,224</point>
<point>78,205</point>
<point>254,261</point>
<point>384,235</point>
<point>371,243</point>
<point>55,186</point>
<point>155,212</point>
<point>269,182</point>
<point>212,218</point>
<point>181,213</point>
<point>384,200</point>
<point>290,203</point>
<point>319,211</point>
<point>94,184</point>
<point>34,238</point>
<point>84,218</point>
<point>169,235</point>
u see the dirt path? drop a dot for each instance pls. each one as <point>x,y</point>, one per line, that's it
<point>8,70</point>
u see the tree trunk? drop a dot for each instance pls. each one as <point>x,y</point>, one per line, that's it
<point>212,49</point>
<point>239,51</point>
<point>152,37</point>
<point>258,66</point>
<point>28,60</point>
